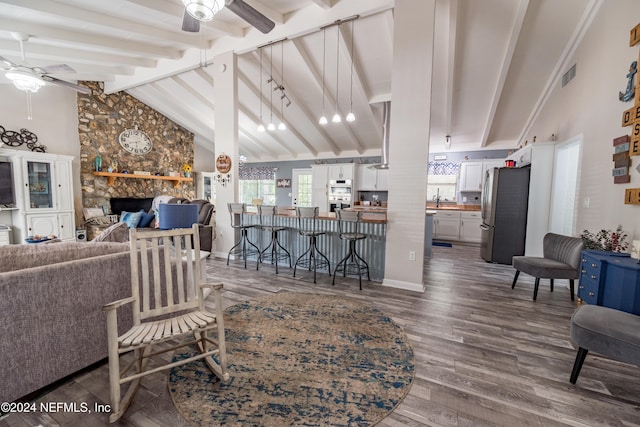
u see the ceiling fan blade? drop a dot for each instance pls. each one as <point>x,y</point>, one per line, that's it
<point>251,15</point>
<point>5,61</point>
<point>82,89</point>
<point>189,23</point>
<point>55,69</point>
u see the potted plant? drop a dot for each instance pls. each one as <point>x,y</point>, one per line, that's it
<point>606,240</point>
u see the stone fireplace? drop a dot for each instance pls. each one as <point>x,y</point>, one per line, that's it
<point>101,119</point>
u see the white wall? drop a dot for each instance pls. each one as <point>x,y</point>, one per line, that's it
<point>589,105</point>
<point>55,122</point>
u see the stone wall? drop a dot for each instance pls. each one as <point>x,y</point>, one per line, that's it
<point>101,119</point>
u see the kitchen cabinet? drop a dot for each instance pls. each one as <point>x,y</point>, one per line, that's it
<point>470,226</point>
<point>319,183</point>
<point>44,195</point>
<point>610,280</point>
<point>446,225</point>
<point>471,174</point>
<point>371,179</point>
<point>341,171</point>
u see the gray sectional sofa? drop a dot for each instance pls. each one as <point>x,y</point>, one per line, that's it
<point>51,319</point>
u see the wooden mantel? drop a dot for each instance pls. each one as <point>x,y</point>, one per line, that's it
<point>111,177</point>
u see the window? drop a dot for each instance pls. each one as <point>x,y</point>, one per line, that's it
<point>264,189</point>
<point>442,185</point>
<point>302,187</point>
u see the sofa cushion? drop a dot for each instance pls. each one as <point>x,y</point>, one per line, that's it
<point>118,232</point>
<point>23,256</point>
<point>132,219</point>
<point>145,219</point>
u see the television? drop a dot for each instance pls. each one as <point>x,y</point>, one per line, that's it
<point>7,195</point>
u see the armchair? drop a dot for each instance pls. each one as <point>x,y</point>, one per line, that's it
<point>560,260</point>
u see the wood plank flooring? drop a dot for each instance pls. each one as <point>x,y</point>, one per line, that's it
<point>486,355</point>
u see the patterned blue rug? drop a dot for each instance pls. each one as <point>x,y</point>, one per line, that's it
<point>300,359</point>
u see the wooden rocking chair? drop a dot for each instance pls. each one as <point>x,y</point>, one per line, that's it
<point>168,303</point>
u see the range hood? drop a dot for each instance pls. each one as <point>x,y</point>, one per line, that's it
<point>386,123</point>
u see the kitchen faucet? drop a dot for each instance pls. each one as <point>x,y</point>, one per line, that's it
<point>438,197</point>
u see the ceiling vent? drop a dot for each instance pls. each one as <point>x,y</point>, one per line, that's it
<point>569,75</point>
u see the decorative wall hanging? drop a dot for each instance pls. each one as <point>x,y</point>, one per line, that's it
<point>621,159</point>
<point>16,139</point>
<point>283,183</point>
<point>223,166</point>
<point>630,92</point>
<point>631,117</point>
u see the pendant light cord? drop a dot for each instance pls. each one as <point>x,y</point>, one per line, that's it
<point>260,85</point>
<point>337,66</point>
<point>282,84</point>
<point>271,78</point>
<point>324,60</point>
<point>351,88</point>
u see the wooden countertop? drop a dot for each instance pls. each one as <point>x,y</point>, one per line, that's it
<point>453,207</point>
<point>379,217</point>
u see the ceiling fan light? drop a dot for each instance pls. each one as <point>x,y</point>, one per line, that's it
<point>261,128</point>
<point>336,118</point>
<point>203,10</point>
<point>323,120</point>
<point>271,126</point>
<point>25,81</point>
<point>351,117</point>
<point>282,126</point>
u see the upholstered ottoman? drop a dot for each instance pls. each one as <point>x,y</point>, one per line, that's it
<point>612,333</point>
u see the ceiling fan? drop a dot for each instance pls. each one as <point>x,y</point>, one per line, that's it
<point>197,11</point>
<point>31,79</point>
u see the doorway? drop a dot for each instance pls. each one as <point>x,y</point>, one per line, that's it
<point>301,188</point>
<point>565,185</point>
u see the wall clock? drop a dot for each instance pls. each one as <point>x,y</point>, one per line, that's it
<point>223,163</point>
<point>135,141</point>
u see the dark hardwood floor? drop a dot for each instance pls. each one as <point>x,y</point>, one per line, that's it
<point>486,355</point>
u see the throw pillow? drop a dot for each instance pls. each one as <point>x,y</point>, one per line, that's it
<point>132,219</point>
<point>118,232</point>
<point>145,219</point>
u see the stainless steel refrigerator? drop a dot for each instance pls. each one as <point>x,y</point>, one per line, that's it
<point>505,197</point>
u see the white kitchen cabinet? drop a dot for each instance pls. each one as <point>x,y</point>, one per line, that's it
<point>44,195</point>
<point>490,164</point>
<point>447,225</point>
<point>471,174</point>
<point>470,226</point>
<point>341,171</point>
<point>319,182</point>
<point>371,179</point>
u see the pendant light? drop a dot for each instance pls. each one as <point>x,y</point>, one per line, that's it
<point>271,126</point>
<point>351,117</point>
<point>323,118</point>
<point>282,126</point>
<point>261,124</point>
<point>336,117</point>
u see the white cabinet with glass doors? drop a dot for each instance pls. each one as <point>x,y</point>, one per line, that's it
<point>44,195</point>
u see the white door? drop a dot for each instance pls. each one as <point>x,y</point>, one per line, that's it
<point>565,184</point>
<point>301,188</point>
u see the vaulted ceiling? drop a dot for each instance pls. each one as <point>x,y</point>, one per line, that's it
<point>495,62</point>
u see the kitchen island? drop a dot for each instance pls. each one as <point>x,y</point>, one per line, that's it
<point>372,249</point>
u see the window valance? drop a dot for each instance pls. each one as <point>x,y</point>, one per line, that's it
<point>443,168</point>
<point>257,172</point>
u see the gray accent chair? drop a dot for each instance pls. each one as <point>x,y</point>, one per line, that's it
<point>611,333</point>
<point>560,260</point>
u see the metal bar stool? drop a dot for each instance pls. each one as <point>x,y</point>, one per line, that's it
<point>267,215</point>
<point>237,212</point>
<point>348,225</point>
<point>312,258</point>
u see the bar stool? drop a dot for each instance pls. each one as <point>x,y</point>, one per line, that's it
<point>267,215</point>
<point>312,257</point>
<point>349,225</point>
<point>237,212</point>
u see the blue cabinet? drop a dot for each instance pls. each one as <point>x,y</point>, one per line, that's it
<point>611,280</point>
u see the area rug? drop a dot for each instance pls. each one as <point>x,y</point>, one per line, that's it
<point>300,359</point>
